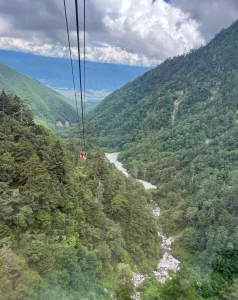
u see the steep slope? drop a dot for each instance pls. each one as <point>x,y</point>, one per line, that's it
<point>176,126</point>
<point>47,105</point>
<point>66,226</point>
<point>181,88</point>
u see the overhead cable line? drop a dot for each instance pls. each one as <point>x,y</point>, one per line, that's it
<point>79,65</point>
<point>71,61</point>
<point>84,38</point>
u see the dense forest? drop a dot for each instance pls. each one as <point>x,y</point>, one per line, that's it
<point>69,229</point>
<point>176,126</point>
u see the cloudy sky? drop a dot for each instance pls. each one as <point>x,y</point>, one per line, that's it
<point>132,32</point>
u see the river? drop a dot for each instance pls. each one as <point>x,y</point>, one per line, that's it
<point>112,157</point>
<point>168,262</point>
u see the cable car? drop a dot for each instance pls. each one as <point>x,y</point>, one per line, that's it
<point>83,155</point>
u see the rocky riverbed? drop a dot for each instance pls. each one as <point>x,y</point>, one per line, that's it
<point>168,263</point>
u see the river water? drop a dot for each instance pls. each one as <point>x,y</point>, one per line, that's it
<point>168,262</point>
<point>112,157</point>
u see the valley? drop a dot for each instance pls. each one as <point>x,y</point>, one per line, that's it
<point>55,73</point>
<point>176,127</point>
<point>152,213</point>
<point>168,263</point>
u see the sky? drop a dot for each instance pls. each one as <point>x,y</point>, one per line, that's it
<point>131,32</point>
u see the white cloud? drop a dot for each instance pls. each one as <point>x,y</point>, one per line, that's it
<point>112,54</point>
<point>33,47</point>
<point>104,53</point>
<point>157,31</point>
<point>213,15</point>
<point>134,32</point>
<point>142,30</point>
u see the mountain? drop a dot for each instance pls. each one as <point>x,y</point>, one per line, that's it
<point>178,89</point>
<point>101,78</point>
<point>68,229</point>
<point>47,105</point>
<point>177,126</point>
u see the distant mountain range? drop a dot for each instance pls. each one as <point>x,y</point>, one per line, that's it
<point>101,78</point>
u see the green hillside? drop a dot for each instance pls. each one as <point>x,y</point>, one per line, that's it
<point>47,105</point>
<point>205,78</point>
<point>67,228</point>
<point>177,126</point>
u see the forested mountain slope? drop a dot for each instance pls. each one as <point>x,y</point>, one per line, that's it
<point>177,126</point>
<point>47,105</point>
<point>66,226</point>
<point>203,84</point>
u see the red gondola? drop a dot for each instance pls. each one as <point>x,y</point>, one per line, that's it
<point>83,155</point>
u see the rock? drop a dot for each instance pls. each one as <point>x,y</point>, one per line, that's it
<point>168,262</point>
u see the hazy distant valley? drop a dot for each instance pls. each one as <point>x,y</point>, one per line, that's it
<point>102,78</point>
